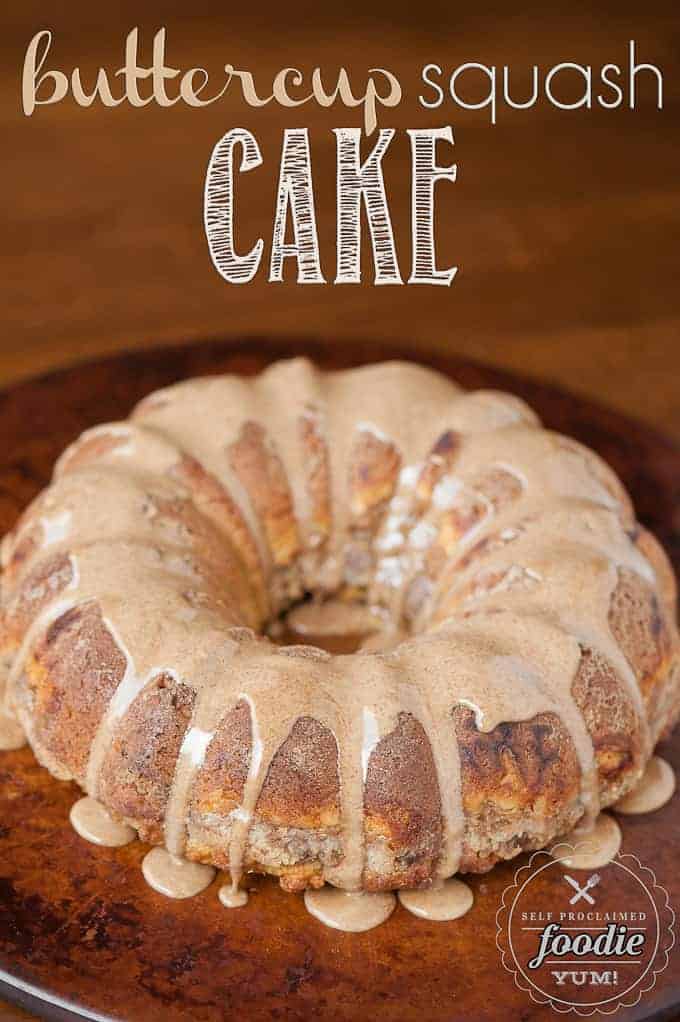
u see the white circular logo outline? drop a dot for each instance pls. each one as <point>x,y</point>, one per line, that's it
<point>560,1004</point>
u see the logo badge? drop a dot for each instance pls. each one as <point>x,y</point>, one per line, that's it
<point>582,941</point>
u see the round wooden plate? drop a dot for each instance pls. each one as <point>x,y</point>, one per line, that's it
<point>80,932</point>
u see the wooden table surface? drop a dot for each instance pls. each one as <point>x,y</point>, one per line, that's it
<point>565,225</point>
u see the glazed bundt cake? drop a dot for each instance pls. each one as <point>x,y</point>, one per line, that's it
<point>519,657</point>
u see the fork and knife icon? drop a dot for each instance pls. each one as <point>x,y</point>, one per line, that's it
<point>582,892</point>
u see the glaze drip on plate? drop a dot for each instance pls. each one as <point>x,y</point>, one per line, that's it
<point>12,735</point>
<point>173,877</point>
<point>654,789</point>
<point>590,846</point>
<point>522,657</point>
<point>232,898</point>
<point>95,824</point>
<point>443,902</point>
<point>351,911</point>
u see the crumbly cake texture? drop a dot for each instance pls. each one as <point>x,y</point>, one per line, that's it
<point>527,661</point>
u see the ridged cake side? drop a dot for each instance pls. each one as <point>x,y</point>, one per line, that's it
<point>529,655</point>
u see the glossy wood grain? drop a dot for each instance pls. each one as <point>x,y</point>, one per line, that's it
<point>565,225</point>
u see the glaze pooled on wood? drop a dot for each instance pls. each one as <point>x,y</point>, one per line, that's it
<point>351,911</point>
<point>175,877</point>
<point>594,845</point>
<point>95,824</point>
<point>654,789</point>
<point>442,903</point>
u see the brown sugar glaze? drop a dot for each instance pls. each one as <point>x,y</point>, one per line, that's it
<point>494,549</point>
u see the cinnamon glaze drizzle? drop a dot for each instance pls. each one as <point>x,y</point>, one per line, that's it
<point>93,822</point>
<point>12,734</point>
<point>511,648</point>
<point>591,845</point>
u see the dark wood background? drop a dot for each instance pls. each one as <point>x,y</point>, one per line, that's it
<point>566,226</point>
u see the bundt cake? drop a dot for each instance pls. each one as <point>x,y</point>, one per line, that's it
<point>517,651</point>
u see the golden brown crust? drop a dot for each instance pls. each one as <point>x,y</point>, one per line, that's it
<point>21,546</point>
<point>67,686</point>
<point>45,581</point>
<point>521,783</point>
<point>496,488</point>
<point>373,478</point>
<point>374,472</point>
<point>203,551</point>
<point>137,772</point>
<point>639,623</point>
<point>212,501</point>
<point>520,786</point>
<point>467,511</point>
<point>255,462</point>
<point>302,787</point>
<point>218,786</point>
<point>402,821</point>
<point>439,461</point>
<point>612,722</point>
<point>318,482</point>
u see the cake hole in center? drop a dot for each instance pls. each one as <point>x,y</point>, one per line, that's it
<point>333,625</point>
